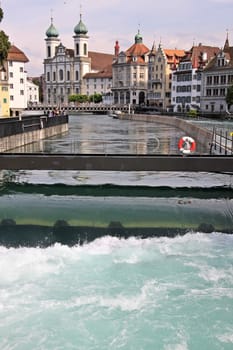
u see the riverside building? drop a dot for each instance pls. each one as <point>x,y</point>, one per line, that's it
<point>130,73</point>
<point>217,78</point>
<point>17,80</point>
<point>66,71</point>
<point>187,78</point>
<point>4,92</point>
<point>160,66</point>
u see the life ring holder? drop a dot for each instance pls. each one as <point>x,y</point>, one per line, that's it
<point>187,145</point>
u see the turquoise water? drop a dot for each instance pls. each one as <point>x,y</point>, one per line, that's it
<point>158,293</point>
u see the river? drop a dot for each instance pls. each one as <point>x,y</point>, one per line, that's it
<point>133,288</point>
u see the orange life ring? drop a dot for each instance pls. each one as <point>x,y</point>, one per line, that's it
<point>187,145</point>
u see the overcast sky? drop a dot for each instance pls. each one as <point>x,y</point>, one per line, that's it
<point>176,23</point>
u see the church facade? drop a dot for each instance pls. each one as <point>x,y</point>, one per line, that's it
<point>65,69</point>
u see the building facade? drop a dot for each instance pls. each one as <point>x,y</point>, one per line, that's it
<point>187,78</point>
<point>217,78</point>
<point>65,69</point>
<point>160,67</point>
<point>17,80</point>
<point>4,92</point>
<point>32,93</point>
<point>130,73</point>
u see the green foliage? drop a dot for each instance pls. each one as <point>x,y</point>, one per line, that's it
<point>4,42</point>
<point>96,98</point>
<point>78,98</point>
<point>229,96</point>
<point>192,113</point>
<point>1,14</point>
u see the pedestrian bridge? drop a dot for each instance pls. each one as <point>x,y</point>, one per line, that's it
<point>116,162</point>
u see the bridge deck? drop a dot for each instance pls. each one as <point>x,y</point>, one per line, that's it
<point>113,162</point>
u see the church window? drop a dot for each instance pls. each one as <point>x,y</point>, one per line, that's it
<point>77,49</point>
<point>85,49</point>
<point>61,74</point>
<point>68,75</point>
<point>48,76</point>
<point>76,75</point>
<point>49,51</point>
<point>54,76</point>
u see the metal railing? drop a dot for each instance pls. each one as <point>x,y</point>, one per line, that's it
<point>222,142</point>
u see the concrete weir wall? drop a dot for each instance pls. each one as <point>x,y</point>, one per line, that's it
<point>202,136</point>
<point>15,132</point>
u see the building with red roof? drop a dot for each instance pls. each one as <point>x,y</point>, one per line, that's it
<point>187,78</point>
<point>130,73</point>
<point>217,79</point>
<point>161,64</point>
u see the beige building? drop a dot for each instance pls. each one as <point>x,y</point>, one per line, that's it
<point>4,92</point>
<point>160,67</point>
<point>130,73</point>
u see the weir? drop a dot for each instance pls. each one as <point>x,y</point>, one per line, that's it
<point>113,162</point>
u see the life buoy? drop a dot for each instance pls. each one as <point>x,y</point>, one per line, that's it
<point>187,145</point>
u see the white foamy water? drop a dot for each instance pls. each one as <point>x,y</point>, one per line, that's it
<point>157,293</point>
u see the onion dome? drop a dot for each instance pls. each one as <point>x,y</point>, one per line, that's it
<point>138,38</point>
<point>52,31</point>
<point>80,28</point>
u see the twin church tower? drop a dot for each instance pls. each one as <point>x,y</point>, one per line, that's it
<point>65,68</point>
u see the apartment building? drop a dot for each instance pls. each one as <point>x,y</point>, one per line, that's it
<point>217,78</point>
<point>17,80</point>
<point>160,67</point>
<point>187,78</point>
<point>4,92</point>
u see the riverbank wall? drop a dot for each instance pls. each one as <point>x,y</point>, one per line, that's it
<point>201,135</point>
<point>18,132</point>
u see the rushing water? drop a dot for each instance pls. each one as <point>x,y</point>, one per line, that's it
<point>115,292</point>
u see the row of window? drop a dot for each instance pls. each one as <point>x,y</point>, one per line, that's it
<point>187,88</point>
<point>186,99</point>
<point>219,79</point>
<point>215,92</point>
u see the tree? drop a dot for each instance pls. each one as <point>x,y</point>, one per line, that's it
<point>96,98</point>
<point>229,97</point>
<point>4,42</point>
<point>78,98</point>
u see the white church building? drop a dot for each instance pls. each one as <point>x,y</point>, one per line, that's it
<point>65,69</point>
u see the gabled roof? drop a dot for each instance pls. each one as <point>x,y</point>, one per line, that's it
<point>228,55</point>
<point>200,55</point>
<point>15,54</point>
<point>173,55</point>
<point>100,60</point>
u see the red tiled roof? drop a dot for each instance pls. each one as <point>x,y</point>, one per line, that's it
<point>174,55</point>
<point>196,54</point>
<point>105,73</point>
<point>99,61</point>
<point>138,49</point>
<point>15,54</point>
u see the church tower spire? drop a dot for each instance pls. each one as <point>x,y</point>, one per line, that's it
<point>52,39</point>
<point>226,45</point>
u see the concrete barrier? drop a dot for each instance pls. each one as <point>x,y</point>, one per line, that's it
<point>15,132</point>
